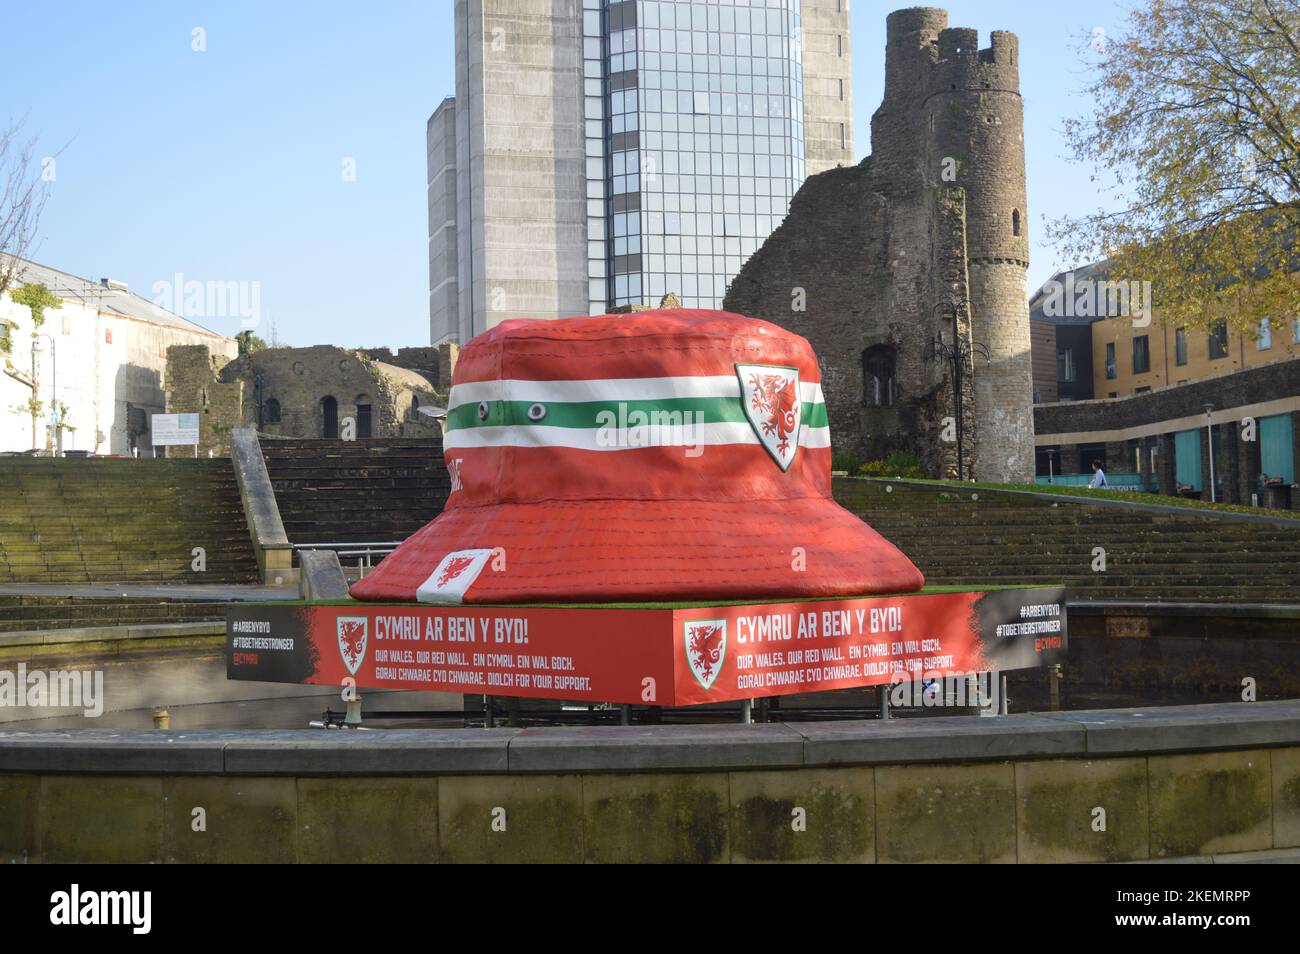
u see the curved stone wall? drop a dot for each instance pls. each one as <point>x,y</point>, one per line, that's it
<point>1183,782</point>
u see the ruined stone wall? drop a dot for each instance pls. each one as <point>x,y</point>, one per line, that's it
<point>228,393</point>
<point>934,222</point>
<point>192,386</point>
<point>425,361</point>
<point>947,442</point>
<point>790,281</point>
<point>300,379</point>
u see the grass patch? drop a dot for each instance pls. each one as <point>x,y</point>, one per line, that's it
<point>1128,496</point>
<point>929,590</point>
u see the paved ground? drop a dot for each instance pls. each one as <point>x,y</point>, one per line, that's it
<point>165,591</point>
<point>198,696</point>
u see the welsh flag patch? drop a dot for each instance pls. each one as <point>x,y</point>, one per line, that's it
<point>453,575</point>
<point>770,397</point>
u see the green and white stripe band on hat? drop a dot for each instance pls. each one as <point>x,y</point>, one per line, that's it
<point>615,413</point>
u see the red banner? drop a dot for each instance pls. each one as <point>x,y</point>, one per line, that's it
<point>666,657</point>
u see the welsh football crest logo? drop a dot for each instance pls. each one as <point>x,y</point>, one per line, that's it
<point>352,633</point>
<point>706,648</point>
<point>770,396</point>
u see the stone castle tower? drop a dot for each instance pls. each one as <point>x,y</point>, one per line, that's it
<point>872,262</point>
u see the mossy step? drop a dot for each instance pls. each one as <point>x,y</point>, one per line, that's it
<point>128,575</point>
<point>152,610</point>
<point>120,554</point>
<point>1048,534</point>
<point>28,601</point>
<point>12,626</point>
<point>1022,556</point>
<point>1113,576</point>
<point>1146,591</point>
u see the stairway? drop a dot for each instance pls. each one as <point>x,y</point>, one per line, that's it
<point>69,520</point>
<point>21,613</point>
<point>980,537</point>
<point>371,490</point>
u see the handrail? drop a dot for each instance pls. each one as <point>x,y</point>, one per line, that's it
<point>257,497</point>
<point>363,550</point>
<point>347,543</point>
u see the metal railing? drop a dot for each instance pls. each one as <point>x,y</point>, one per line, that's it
<point>364,550</point>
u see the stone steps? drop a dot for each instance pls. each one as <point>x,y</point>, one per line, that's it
<point>1041,536</point>
<point>39,613</point>
<point>365,490</point>
<point>983,537</point>
<point>70,521</point>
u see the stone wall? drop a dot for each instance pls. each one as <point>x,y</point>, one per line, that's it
<point>934,222</point>
<point>1020,788</point>
<point>289,387</point>
<point>430,363</point>
<point>192,386</point>
<point>831,218</point>
<point>299,380</point>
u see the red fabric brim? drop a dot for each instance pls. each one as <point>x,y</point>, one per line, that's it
<point>637,550</point>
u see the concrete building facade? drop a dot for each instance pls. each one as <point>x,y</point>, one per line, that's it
<point>1245,449</point>
<point>101,355</point>
<point>827,85</point>
<point>608,152</point>
<point>444,298</point>
<point>1097,339</point>
<point>919,251</point>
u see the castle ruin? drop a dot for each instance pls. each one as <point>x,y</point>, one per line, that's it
<point>873,262</point>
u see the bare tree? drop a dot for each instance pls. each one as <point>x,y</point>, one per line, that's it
<point>22,198</point>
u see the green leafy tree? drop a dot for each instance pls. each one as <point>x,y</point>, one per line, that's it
<point>249,343</point>
<point>1196,133</point>
<point>37,298</point>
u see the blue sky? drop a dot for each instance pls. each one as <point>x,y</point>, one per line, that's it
<point>227,164</point>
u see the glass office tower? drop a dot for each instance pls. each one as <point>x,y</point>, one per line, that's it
<point>639,148</point>
<point>694,142</point>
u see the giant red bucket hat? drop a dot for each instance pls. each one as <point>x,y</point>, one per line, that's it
<point>657,456</point>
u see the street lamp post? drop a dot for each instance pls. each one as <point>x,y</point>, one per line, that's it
<point>1209,436</point>
<point>54,393</point>
<point>958,354</point>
